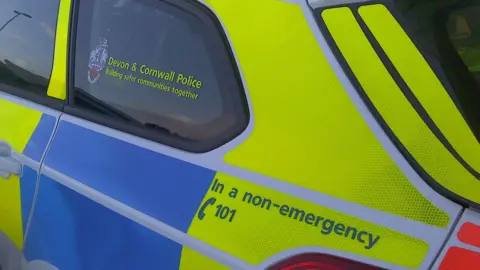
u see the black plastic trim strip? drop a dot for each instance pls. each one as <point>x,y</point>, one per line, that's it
<point>72,41</point>
<point>46,101</point>
<point>227,64</point>
<point>346,68</point>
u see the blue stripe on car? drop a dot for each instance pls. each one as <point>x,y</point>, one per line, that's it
<point>165,188</point>
<point>40,138</point>
<point>72,232</point>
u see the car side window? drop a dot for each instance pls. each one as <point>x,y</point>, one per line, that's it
<point>162,66</point>
<point>27,41</point>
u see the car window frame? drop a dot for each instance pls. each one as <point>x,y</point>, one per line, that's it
<point>238,95</point>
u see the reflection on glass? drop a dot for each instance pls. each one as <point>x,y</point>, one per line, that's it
<point>464,31</point>
<point>17,13</point>
<point>27,34</point>
<point>151,64</point>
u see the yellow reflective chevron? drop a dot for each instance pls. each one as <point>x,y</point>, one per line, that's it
<point>267,222</point>
<point>10,210</point>
<point>18,124</point>
<point>395,109</point>
<point>307,130</point>
<point>422,81</point>
<point>57,87</point>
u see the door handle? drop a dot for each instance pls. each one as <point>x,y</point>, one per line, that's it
<point>8,165</point>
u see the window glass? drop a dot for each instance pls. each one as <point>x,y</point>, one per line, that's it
<point>27,37</point>
<point>448,34</point>
<point>464,31</point>
<point>157,65</point>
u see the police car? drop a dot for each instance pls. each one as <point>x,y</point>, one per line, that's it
<point>239,134</point>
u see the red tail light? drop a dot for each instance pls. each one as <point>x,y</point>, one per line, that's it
<point>320,262</point>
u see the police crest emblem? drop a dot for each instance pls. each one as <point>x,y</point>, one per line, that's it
<point>98,60</point>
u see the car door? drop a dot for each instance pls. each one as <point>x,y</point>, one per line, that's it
<point>110,197</point>
<point>27,120</point>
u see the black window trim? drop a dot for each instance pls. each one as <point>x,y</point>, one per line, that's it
<point>44,100</point>
<point>239,98</point>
